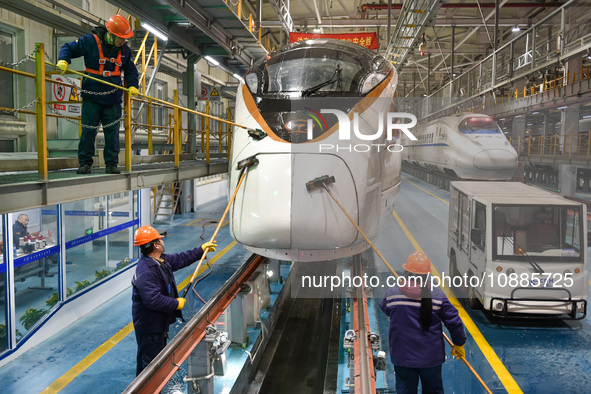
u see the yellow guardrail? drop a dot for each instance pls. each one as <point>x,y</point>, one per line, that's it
<point>572,146</point>
<point>175,125</point>
<point>527,91</point>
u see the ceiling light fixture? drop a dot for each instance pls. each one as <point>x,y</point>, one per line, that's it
<point>515,29</point>
<point>154,31</point>
<point>212,61</point>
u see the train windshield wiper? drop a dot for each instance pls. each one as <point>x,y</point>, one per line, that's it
<point>336,77</point>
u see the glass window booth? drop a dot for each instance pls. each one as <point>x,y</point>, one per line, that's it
<point>51,255</point>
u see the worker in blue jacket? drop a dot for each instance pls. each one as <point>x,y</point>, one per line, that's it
<point>155,298</point>
<point>106,56</point>
<point>417,347</point>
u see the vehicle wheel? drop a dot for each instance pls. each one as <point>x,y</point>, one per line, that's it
<point>473,301</point>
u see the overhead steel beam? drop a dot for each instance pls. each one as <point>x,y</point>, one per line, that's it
<point>281,9</point>
<point>141,11</point>
<point>202,20</point>
<point>77,11</point>
<point>414,18</point>
<point>48,16</point>
<point>440,22</point>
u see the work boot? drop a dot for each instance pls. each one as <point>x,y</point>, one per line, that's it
<point>112,169</point>
<point>84,169</point>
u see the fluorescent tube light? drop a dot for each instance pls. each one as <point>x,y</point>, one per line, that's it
<point>212,60</point>
<point>154,31</point>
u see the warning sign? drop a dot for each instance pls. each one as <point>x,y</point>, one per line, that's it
<point>207,94</point>
<point>64,94</point>
<point>214,96</point>
<point>74,94</point>
<point>203,93</point>
<point>59,91</point>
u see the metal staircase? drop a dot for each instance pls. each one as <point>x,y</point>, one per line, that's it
<point>167,200</point>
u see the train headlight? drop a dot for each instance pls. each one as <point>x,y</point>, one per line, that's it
<point>371,81</point>
<point>252,81</point>
<point>510,271</point>
<point>580,306</point>
<point>498,306</point>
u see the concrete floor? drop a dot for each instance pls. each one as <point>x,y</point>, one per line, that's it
<point>546,356</point>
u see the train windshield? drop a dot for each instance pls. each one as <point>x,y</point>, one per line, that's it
<point>318,71</point>
<point>538,232</point>
<point>479,125</point>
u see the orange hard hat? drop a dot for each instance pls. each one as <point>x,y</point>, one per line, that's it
<point>145,234</point>
<point>119,26</point>
<point>418,263</point>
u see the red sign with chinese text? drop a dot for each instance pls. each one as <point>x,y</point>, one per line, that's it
<point>368,40</point>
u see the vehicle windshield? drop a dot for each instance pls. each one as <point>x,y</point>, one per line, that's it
<point>479,125</point>
<point>540,231</point>
<point>318,70</point>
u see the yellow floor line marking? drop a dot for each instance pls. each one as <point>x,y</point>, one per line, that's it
<point>77,369</point>
<point>426,191</point>
<point>504,375</point>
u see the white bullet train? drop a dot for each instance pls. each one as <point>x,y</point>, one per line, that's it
<point>467,146</point>
<point>320,109</point>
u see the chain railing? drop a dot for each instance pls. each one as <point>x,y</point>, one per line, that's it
<point>41,103</point>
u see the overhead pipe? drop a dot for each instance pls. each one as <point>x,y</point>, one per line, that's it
<point>369,7</point>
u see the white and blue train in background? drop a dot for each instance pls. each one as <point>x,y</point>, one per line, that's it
<point>467,146</point>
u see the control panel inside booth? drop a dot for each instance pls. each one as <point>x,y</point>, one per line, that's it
<point>33,262</point>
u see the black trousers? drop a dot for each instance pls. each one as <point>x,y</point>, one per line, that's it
<point>148,347</point>
<point>92,115</point>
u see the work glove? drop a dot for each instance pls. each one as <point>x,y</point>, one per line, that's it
<point>133,91</point>
<point>181,303</point>
<point>62,65</point>
<point>458,351</point>
<point>209,246</point>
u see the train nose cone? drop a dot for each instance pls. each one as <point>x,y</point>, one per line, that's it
<point>275,210</point>
<point>495,159</point>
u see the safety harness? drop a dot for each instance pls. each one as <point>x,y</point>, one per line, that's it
<point>103,60</point>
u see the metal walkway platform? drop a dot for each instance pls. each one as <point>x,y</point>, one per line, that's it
<point>22,190</point>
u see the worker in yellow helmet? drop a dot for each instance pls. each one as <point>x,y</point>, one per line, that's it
<point>155,298</point>
<point>106,57</point>
<point>417,347</point>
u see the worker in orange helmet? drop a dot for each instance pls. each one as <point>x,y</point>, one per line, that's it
<point>155,298</point>
<point>106,57</point>
<point>417,347</point>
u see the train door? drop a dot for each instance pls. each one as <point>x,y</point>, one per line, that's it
<point>464,218</point>
<point>478,238</point>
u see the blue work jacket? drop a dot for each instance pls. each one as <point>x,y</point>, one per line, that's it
<point>409,345</point>
<point>18,230</point>
<point>154,291</point>
<point>86,46</point>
